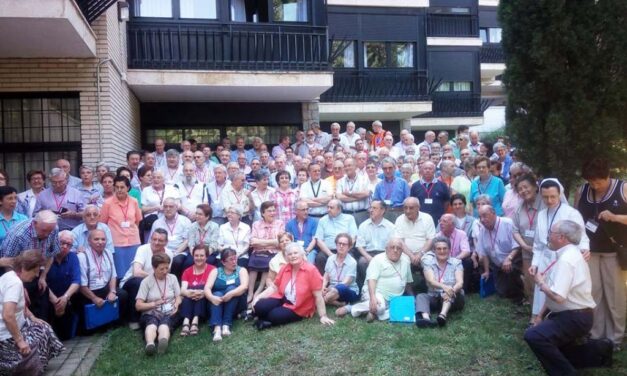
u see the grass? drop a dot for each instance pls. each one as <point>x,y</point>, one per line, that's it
<point>485,339</point>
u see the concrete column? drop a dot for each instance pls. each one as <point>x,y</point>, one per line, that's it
<point>310,113</point>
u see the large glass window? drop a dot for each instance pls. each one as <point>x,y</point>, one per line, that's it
<point>269,134</point>
<point>175,136</point>
<point>483,34</point>
<point>388,55</point>
<point>198,9</point>
<point>153,8</point>
<point>345,54</point>
<point>290,10</point>
<point>495,34</point>
<point>458,86</point>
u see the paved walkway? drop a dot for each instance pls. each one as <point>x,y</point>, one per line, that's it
<point>78,358</point>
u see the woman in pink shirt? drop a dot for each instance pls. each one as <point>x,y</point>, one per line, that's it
<point>122,214</point>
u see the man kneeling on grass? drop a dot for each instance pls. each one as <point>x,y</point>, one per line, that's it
<point>388,275</point>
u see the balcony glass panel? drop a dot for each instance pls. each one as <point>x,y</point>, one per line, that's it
<point>153,8</point>
<point>205,9</point>
<point>290,10</point>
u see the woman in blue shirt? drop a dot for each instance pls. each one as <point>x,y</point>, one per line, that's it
<point>486,184</point>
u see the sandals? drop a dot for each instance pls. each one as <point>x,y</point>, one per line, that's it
<point>185,330</point>
<point>194,330</point>
<point>441,320</point>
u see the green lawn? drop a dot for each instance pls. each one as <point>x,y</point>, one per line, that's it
<point>485,339</point>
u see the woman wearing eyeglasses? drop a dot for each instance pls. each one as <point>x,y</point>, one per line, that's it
<point>339,286</point>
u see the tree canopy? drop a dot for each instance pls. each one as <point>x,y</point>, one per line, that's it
<point>566,82</point>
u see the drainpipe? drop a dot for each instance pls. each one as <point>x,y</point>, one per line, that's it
<point>100,64</point>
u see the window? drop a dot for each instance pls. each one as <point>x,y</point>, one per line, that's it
<point>205,9</point>
<point>495,34</point>
<point>483,34</point>
<point>175,136</point>
<point>388,55</point>
<point>290,10</point>
<point>449,10</point>
<point>457,86</point>
<point>213,135</point>
<point>269,134</point>
<point>402,55</point>
<point>345,54</point>
<point>153,8</point>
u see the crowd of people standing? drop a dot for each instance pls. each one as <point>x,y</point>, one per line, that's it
<point>346,220</point>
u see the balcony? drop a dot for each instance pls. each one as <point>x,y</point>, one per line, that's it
<point>456,105</point>
<point>375,94</point>
<point>48,28</point>
<point>241,47</point>
<point>492,65</point>
<point>492,54</point>
<point>449,26</point>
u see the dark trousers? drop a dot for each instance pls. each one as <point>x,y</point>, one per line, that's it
<point>471,276</point>
<point>272,310</point>
<point>558,331</point>
<point>131,287</point>
<point>39,301</point>
<point>191,308</point>
<point>426,303</point>
<point>509,285</point>
<point>65,325</point>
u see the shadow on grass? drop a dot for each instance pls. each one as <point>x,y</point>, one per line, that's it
<point>485,339</point>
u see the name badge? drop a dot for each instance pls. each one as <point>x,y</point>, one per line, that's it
<point>167,307</point>
<point>125,224</point>
<point>592,226</point>
<point>388,202</point>
<point>230,282</point>
<point>530,233</point>
<point>301,243</point>
<point>428,201</point>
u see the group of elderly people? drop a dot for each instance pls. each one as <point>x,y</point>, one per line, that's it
<point>344,220</point>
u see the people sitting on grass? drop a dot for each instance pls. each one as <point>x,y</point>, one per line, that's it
<point>158,300</point>
<point>388,275</point>
<point>26,342</point>
<point>279,260</point>
<point>193,281</point>
<point>445,280</point>
<point>340,273</point>
<point>226,291</point>
<point>296,293</point>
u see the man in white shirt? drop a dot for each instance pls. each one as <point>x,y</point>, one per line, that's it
<point>568,291</point>
<point>160,155</point>
<point>353,191</point>
<point>316,192</point>
<point>177,226</point>
<point>172,171</point>
<point>372,235</point>
<point>203,173</point>
<point>215,189</point>
<point>192,191</point>
<point>416,229</point>
<point>348,138</point>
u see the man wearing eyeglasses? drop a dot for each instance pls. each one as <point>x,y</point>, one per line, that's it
<point>310,143</point>
<point>329,226</point>
<point>80,233</point>
<point>64,278</point>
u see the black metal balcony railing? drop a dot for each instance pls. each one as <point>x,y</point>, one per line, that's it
<point>375,85</point>
<point>227,47</point>
<point>492,54</point>
<point>442,25</point>
<point>92,9</point>
<point>455,104</point>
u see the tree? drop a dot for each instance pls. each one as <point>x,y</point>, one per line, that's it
<point>566,82</point>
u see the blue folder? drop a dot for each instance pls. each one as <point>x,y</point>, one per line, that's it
<point>96,317</point>
<point>486,287</point>
<point>402,309</point>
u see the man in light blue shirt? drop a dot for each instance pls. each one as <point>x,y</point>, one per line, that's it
<point>80,233</point>
<point>392,190</point>
<point>329,226</point>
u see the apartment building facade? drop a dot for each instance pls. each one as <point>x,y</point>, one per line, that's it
<point>91,79</point>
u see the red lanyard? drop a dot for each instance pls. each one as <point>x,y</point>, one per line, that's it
<point>160,195</point>
<point>531,218</point>
<point>98,263</point>
<point>549,267</point>
<point>301,229</point>
<point>441,275</point>
<point>59,203</point>
<point>173,227</point>
<point>219,191</point>
<point>486,186</point>
<point>389,187</point>
<point>189,191</point>
<point>292,286</point>
<point>165,287</point>
<point>496,233</point>
<point>428,190</point>
<point>200,175</point>
<point>172,173</point>
<point>237,196</point>
<point>285,197</point>
<point>124,210</point>
<point>338,275</point>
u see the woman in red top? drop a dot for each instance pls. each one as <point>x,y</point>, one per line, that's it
<point>194,305</point>
<point>296,293</point>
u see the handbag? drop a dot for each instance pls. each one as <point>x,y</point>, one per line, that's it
<point>96,317</point>
<point>402,309</point>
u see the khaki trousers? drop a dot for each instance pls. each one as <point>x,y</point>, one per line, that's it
<point>608,292</point>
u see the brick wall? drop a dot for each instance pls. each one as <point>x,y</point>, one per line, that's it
<point>119,106</point>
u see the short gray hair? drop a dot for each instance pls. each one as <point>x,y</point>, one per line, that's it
<point>57,172</point>
<point>295,247</point>
<point>571,230</point>
<point>441,239</point>
<point>66,233</point>
<point>172,153</point>
<point>46,216</point>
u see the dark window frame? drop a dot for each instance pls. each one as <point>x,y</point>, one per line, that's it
<point>388,51</point>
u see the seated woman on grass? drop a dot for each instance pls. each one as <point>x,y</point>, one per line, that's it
<point>193,281</point>
<point>158,299</point>
<point>339,287</point>
<point>445,280</point>
<point>226,291</point>
<point>278,260</point>
<point>295,294</point>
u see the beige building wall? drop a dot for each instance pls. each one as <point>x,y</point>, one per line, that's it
<point>119,106</point>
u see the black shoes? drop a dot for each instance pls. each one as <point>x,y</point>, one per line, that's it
<point>425,323</point>
<point>441,320</point>
<point>262,325</point>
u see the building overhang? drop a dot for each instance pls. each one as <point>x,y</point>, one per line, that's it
<point>434,123</point>
<point>454,41</point>
<point>227,86</point>
<point>488,3</point>
<point>45,28</point>
<point>381,3</point>
<point>364,111</point>
<point>489,71</point>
